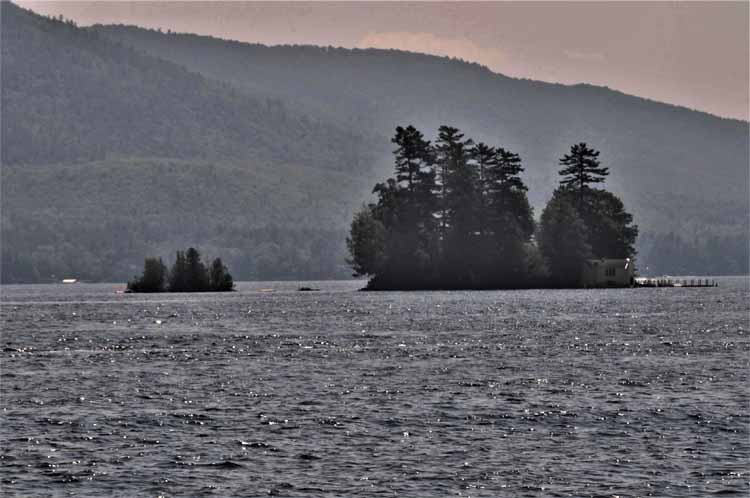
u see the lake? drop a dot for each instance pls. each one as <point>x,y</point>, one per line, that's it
<point>270,391</point>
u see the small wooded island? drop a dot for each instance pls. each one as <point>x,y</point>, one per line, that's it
<point>188,274</point>
<point>456,216</point>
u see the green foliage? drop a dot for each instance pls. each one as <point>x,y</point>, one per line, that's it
<point>219,278</point>
<point>154,278</point>
<point>196,277</point>
<point>366,243</point>
<point>412,158</point>
<point>454,216</point>
<point>188,274</point>
<point>510,219</point>
<point>581,222</point>
<point>95,221</point>
<point>406,206</point>
<point>178,275</point>
<point>581,168</point>
<point>610,229</point>
<point>562,240</point>
<point>458,203</point>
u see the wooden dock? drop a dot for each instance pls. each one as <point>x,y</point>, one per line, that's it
<point>675,282</point>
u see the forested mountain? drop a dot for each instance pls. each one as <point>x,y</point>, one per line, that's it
<point>684,173</point>
<point>119,142</point>
<point>646,142</point>
<point>68,95</point>
<point>109,154</point>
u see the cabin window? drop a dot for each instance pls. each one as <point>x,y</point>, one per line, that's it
<point>609,272</point>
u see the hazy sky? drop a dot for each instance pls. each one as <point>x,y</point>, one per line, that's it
<point>694,54</point>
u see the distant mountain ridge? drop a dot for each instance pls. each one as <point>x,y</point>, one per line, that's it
<point>646,143</point>
<point>109,155</point>
<point>69,94</point>
<point>173,133</point>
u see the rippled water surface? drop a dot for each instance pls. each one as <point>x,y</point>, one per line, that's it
<point>640,392</point>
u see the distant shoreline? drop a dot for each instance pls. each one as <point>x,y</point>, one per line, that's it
<point>123,283</point>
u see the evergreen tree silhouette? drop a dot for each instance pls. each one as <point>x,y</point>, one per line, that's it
<point>153,279</point>
<point>197,275</point>
<point>178,274</point>
<point>220,280</point>
<point>581,168</point>
<point>562,240</point>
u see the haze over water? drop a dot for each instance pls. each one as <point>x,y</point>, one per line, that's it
<point>629,392</point>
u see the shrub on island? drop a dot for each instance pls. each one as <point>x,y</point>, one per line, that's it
<point>188,274</point>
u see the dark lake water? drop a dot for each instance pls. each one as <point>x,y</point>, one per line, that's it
<point>627,392</point>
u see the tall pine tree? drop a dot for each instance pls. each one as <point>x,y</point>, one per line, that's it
<point>609,229</point>
<point>458,205</point>
<point>197,274</point>
<point>581,168</point>
<point>220,280</point>
<point>405,209</point>
<point>412,156</point>
<point>178,274</point>
<point>485,159</point>
<point>510,218</point>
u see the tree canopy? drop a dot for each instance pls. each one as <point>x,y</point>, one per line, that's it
<point>153,279</point>
<point>456,215</point>
<point>188,274</point>
<point>562,240</point>
<point>581,168</point>
<point>581,222</point>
